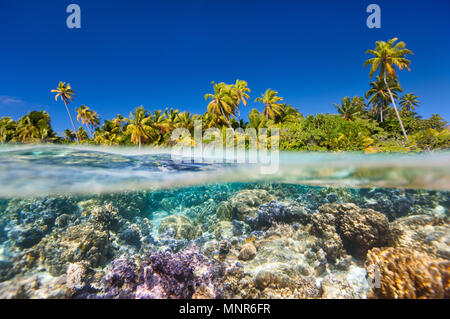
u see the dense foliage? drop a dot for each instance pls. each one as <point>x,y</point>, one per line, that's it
<point>372,123</point>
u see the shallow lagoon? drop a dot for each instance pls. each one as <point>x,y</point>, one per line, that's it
<point>121,223</point>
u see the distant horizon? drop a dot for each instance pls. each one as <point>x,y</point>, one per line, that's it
<point>160,55</point>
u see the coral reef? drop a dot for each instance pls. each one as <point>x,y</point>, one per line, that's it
<point>186,274</point>
<point>240,240</point>
<point>83,242</point>
<point>405,273</point>
<point>359,229</point>
<point>178,226</point>
<point>245,203</point>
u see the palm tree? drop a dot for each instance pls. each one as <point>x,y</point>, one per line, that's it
<point>185,120</point>
<point>65,92</point>
<point>269,99</point>
<point>349,109</point>
<point>170,118</point>
<point>257,120</point>
<point>387,56</point>
<point>222,101</point>
<point>69,135</point>
<point>286,113</point>
<point>7,128</point>
<point>378,94</point>
<point>240,89</point>
<point>139,126</point>
<point>409,101</point>
<point>26,131</point>
<point>87,117</point>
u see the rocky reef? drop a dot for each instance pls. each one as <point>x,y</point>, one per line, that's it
<point>228,241</point>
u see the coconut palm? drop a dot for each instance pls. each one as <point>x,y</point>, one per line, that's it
<point>139,125</point>
<point>409,101</point>
<point>170,118</point>
<point>269,99</point>
<point>69,135</point>
<point>286,113</point>
<point>378,95</point>
<point>387,56</point>
<point>240,89</point>
<point>222,103</point>
<point>7,129</point>
<point>65,92</point>
<point>26,131</point>
<point>350,108</point>
<point>185,120</point>
<point>87,117</point>
<point>257,120</point>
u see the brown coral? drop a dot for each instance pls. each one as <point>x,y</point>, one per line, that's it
<point>407,274</point>
<point>359,229</point>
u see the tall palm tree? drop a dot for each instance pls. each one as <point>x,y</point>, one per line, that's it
<point>240,89</point>
<point>222,101</point>
<point>87,117</point>
<point>65,92</point>
<point>387,56</point>
<point>139,126</point>
<point>269,99</point>
<point>378,94</point>
<point>409,101</point>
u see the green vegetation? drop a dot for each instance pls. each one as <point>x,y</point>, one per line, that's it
<point>372,123</point>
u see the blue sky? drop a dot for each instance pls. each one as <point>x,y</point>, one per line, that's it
<point>165,53</point>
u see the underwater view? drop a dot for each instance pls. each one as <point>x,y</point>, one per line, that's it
<point>91,222</point>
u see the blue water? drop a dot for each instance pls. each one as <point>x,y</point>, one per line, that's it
<point>68,209</point>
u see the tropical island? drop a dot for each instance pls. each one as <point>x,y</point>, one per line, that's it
<point>383,119</point>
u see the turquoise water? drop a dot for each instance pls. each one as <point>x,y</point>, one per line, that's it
<point>90,222</point>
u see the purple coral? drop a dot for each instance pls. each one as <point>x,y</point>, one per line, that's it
<point>164,275</point>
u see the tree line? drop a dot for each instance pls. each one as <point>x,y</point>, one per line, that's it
<point>384,119</point>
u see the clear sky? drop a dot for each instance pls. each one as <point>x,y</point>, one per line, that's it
<point>165,53</point>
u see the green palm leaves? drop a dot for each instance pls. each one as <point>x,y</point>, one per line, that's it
<point>351,108</point>
<point>409,102</point>
<point>223,102</point>
<point>65,93</point>
<point>87,117</point>
<point>139,126</point>
<point>388,56</point>
<point>270,99</point>
<point>378,95</point>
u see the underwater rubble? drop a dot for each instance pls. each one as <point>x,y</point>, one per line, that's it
<point>234,240</point>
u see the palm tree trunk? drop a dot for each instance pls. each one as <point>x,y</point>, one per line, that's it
<point>73,124</point>
<point>395,107</point>
<point>381,113</point>
<point>89,130</point>
<point>223,114</point>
